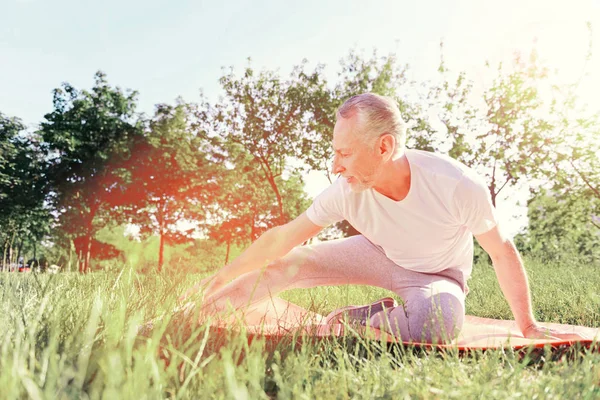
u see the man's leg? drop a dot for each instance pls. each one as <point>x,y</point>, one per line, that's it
<point>357,261</point>
<point>433,312</point>
<point>353,260</point>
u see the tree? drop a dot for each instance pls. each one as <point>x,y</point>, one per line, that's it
<point>563,224</point>
<point>24,216</point>
<point>263,114</point>
<point>245,206</point>
<point>575,157</point>
<point>510,140</point>
<point>242,198</point>
<point>86,133</point>
<point>10,128</point>
<point>171,178</point>
<point>459,111</point>
<point>576,154</point>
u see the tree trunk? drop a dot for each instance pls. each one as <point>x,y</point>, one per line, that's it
<point>161,250</point>
<point>11,251</point>
<point>227,254</point>
<point>266,167</point>
<point>494,194</point>
<point>88,253</point>
<point>161,246</point>
<point>80,264</point>
<point>71,248</point>
<point>493,186</point>
<point>279,199</point>
<point>4,255</point>
<point>253,227</point>
<point>20,251</point>
<point>85,251</point>
<point>89,235</point>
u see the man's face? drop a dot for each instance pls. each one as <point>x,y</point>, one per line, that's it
<point>354,159</point>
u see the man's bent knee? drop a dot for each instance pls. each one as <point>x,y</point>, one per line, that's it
<point>437,319</point>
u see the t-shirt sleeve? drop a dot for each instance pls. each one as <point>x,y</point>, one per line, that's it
<point>474,204</point>
<point>327,207</point>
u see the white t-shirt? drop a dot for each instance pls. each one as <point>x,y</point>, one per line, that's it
<point>432,228</point>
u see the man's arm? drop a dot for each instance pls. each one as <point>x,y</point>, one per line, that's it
<point>511,275</point>
<point>513,282</point>
<point>271,245</point>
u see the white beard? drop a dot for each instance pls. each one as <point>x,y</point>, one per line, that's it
<point>366,182</point>
<point>358,187</point>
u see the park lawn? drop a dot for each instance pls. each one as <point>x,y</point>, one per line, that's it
<point>73,336</point>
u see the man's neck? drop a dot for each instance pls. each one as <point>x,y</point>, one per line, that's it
<point>396,177</point>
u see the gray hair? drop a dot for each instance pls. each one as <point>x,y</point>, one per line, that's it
<point>378,115</point>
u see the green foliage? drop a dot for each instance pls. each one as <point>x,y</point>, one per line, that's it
<point>245,207</point>
<point>574,164</point>
<point>24,217</point>
<point>86,133</point>
<point>10,128</point>
<point>232,169</point>
<point>508,140</point>
<point>259,113</point>
<point>257,128</point>
<point>562,226</point>
<point>523,137</point>
<point>170,178</point>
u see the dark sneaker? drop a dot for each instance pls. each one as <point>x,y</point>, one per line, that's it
<point>360,314</point>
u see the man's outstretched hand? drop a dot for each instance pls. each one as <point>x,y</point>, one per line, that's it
<point>536,331</point>
<point>201,290</point>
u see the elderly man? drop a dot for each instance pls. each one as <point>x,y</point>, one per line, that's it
<point>417,213</point>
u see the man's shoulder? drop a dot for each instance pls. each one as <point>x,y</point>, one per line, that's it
<point>437,164</point>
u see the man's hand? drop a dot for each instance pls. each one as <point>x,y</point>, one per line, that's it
<point>202,289</point>
<point>536,331</point>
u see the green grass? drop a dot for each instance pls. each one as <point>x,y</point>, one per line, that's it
<point>72,336</point>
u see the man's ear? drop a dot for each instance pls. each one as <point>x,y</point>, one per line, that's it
<point>387,144</point>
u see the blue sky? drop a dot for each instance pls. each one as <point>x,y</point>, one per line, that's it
<point>169,48</point>
<point>166,49</point>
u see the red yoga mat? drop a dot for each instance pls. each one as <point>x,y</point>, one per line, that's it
<point>279,318</point>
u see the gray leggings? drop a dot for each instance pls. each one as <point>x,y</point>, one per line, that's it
<point>434,304</point>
